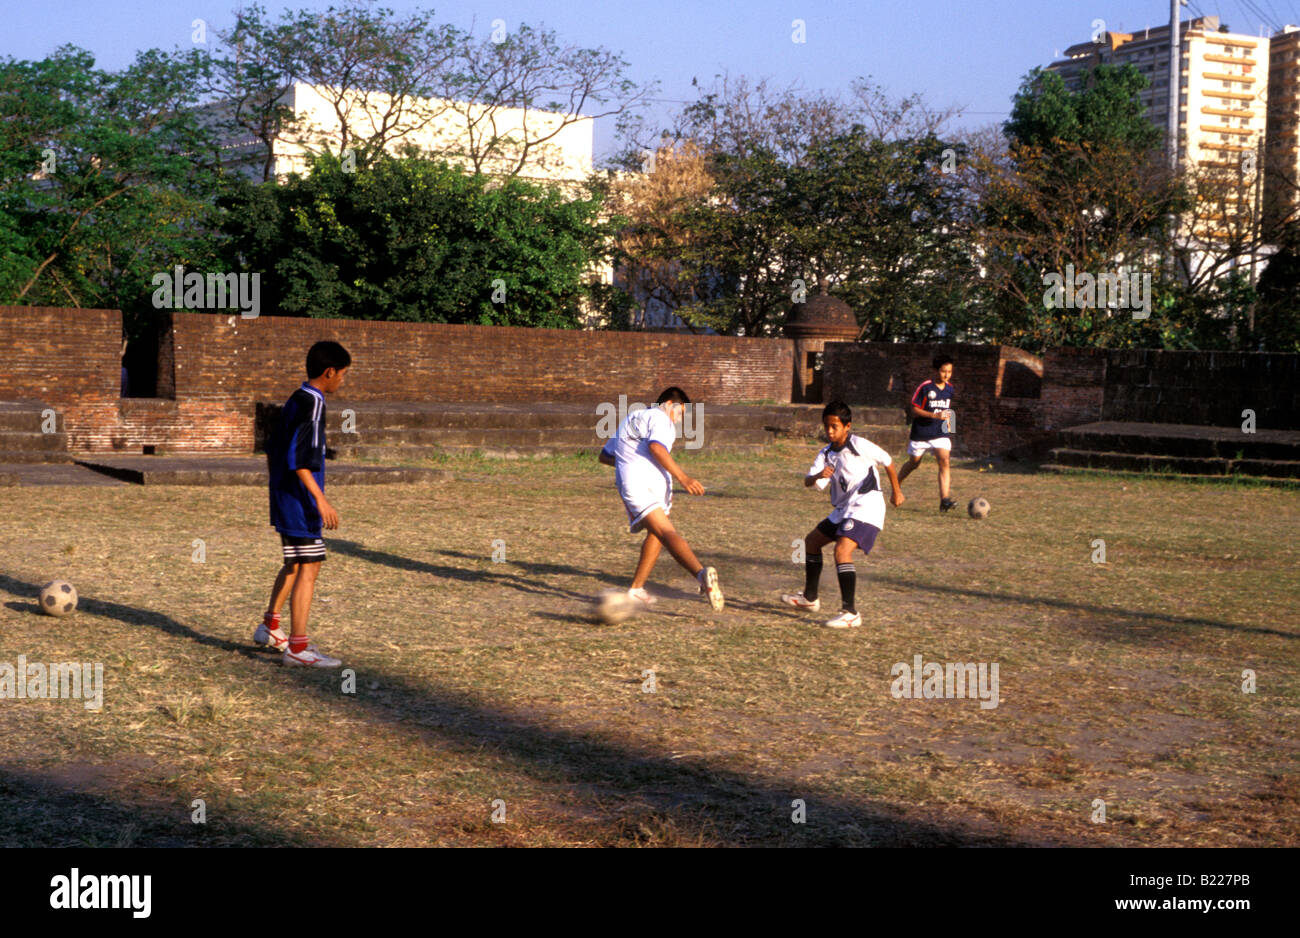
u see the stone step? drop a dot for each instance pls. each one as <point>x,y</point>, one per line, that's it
<point>421,415</point>
<point>1183,440</point>
<point>197,469</point>
<point>27,416</point>
<point>32,440</point>
<point>516,437</point>
<point>34,456</point>
<point>408,452</point>
<point>1184,465</point>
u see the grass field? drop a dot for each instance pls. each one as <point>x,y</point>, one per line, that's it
<point>482,682</point>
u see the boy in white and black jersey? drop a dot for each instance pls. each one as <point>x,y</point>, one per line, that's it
<point>849,467</point>
<point>644,470</point>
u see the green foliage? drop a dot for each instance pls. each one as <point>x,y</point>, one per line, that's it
<point>414,240</point>
<point>1106,112</point>
<point>876,220</point>
<point>105,179</point>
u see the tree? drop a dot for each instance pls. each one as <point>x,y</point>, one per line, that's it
<point>1107,111</point>
<point>105,179</point>
<point>807,187</point>
<point>415,240</point>
<point>650,208</point>
<point>494,104</point>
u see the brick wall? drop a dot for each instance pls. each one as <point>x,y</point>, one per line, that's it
<point>215,369</point>
<point>997,388</point>
<point>226,358</point>
<point>60,355</point>
<point>1208,388</point>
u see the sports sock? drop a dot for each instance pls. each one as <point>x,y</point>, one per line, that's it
<point>812,574</point>
<point>848,584</point>
<point>271,620</point>
<point>297,643</point>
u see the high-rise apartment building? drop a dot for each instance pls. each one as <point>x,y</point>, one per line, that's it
<point>1282,178</point>
<point>1222,111</point>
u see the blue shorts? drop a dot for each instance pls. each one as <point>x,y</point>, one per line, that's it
<point>861,533</point>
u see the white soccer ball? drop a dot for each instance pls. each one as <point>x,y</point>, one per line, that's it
<point>58,598</point>
<point>615,606</point>
<point>978,507</point>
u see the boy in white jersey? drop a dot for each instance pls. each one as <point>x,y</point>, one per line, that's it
<point>848,467</point>
<point>644,470</point>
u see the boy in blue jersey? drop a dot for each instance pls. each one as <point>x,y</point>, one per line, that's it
<point>295,460</point>
<point>644,470</point>
<point>930,409</point>
<point>849,468</point>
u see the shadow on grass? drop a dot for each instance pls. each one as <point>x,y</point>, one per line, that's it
<point>122,613</point>
<point>44,809</point>
<point>491,576</point>
<point>905,585</point>
<point>695,802</point>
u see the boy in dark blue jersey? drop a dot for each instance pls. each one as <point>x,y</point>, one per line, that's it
<point>931,413</point>
<point>295,460</point>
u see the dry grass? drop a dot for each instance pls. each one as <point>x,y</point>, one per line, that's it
<point>478,681</point>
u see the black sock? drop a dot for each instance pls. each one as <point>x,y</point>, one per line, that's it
<point>848,584</point>
<point>812,574</point>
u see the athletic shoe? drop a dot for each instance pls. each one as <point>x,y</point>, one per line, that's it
<point>711,589</point>
<point>274,638</point>
<point>947,504</point>
<point>311,658</point>
<point>641,596</point>
<point>845,620</point>
<point>797,599</point>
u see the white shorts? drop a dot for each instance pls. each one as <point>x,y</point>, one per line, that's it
<point>642,498</point>
<point>919,447</point>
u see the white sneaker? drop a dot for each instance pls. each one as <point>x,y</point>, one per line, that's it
<point>709,587</point>
<point>797,599</point>
<point>310,658</point>
<point>845,620</point>
<point>641,596</point>
<point>274,638</point>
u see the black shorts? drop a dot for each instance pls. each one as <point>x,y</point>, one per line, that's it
<point>302,549</point>
<point>861,533</point>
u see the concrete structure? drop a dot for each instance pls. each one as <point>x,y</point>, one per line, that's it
<point>823,318</point>
<point>1282,177</point>
<point>560,145</point>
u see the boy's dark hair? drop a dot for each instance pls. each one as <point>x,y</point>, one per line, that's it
<point>324,355</point>
<point>674,394</point>
<point>940,360</point>
<point>838,409</point>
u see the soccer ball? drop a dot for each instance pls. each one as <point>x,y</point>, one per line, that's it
<point>978,507</point>
<point>615,606</point>
<point>58,598</point>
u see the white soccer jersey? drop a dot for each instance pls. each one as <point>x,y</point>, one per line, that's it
<point>642,483</point>
<point>855,487</point>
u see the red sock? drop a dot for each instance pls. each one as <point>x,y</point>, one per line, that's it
<point>297,643</point>
<point>271,619</point>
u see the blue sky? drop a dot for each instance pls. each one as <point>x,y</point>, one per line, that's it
<point>969,54</point>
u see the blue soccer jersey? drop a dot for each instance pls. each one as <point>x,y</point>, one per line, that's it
<point>297,443</point>
<point>929,396</point>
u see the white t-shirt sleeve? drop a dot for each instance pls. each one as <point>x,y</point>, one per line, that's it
<point>660,430</point>
<point>874,452</point>
<point>818,464</point>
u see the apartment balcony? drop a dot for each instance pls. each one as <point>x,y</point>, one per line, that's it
<point>1227,59</point>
